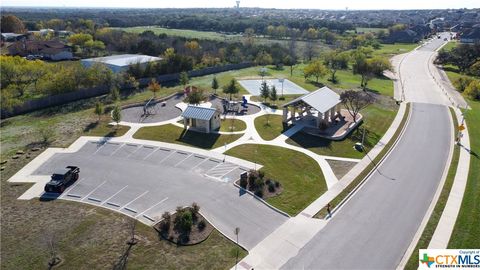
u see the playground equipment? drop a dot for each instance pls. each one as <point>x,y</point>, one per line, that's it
<point>149,107</point>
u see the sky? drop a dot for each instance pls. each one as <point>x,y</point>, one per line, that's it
<point>283,4</point>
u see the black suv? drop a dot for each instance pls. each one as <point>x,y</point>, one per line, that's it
<point>62,179</point>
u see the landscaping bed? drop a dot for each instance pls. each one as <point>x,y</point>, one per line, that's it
<point>185,227</point>
<point>261,186</point>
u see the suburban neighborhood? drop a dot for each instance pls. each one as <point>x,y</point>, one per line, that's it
<point>240,137</point>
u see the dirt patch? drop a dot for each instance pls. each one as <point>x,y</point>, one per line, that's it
<point>169,229</point>
<point>340,168</point>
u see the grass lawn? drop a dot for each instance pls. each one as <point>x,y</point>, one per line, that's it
<point>376,122</point>
<point>269,126</point>
<point>450,45</point>
<point>438,210</point>
<point>300,175</point>
<point>466,233</point>
<point>103,129</point>
<point>231,125</point>
<point>393,49</point>
<point>370,29</point>
<point>177,32</point>
<point>173,134</point>
<point>339,198</point>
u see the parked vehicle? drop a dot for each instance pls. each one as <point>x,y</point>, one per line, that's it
<point>62,179</point>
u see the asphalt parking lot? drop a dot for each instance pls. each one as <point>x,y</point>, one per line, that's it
<point>144,181</point>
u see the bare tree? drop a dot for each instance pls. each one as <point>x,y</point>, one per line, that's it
<point>355,101</point>
<point>51,244</point>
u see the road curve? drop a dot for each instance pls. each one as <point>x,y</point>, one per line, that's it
<point>375,227</point>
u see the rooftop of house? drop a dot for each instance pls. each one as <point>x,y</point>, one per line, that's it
<point>122,60</point>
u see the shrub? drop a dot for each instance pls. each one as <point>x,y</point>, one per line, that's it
<point>261,174</point>
<point>277,184</point>
<point>252,176</point>
<point>268,181</point>
<point>259,193</point>
<point>201,225</point>
<point>473,90</point>
<point>462,83</point>
<point>259,183</point>
<point>184,221</point>
<point>243,182</point>
<point>271,187</point>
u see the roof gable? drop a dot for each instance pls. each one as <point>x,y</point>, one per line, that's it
<point>321,100</point>
<point>197,112</point>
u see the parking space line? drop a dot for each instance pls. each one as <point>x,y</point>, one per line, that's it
<point>86,196</point>
<point>219,163</point>
<point>130,209</point>
<point>183,160</point>
<point>135,199</point>
<point>113,204</point>
<point>117,149</point>
<point>65,193</point>
<point>99,148</point>
<point>106,201</point>
<point>150,208</point>
<point>151,153</point>
<point>138,147</point>
<point>165,158</point>
<point>229,172</point>
<point>205,159</point>
<point>94,199</point>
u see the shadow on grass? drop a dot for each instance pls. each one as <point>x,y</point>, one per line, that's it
<point>90,126</point>
<point>198,139</point>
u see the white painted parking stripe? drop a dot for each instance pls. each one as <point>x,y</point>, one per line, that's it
<point>114,194</point>
<point>204,159</point>
<point>133,151</point>
<point>94,199</point>
<point>183,160</point>
<point>99,148</point>
<point>171,153</point>
<point>65,193</point>
<point>151,153</point>
<point>211,169</point>
<point>90,193</point>
<point>228,172</point>
<point>150,208</point>
<point>117,149</point>
<point>135,199</point>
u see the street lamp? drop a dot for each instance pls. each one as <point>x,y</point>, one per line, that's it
<point>281,80</point>
<point>237,231</point>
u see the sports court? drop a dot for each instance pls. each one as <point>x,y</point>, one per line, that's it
<point>289,88</point>
<point>144,181</point>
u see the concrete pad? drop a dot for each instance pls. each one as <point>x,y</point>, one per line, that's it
<point>289,88</point>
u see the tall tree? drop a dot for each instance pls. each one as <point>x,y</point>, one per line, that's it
<point>289,61</point>
<point>12,24</point>
<point>98,110</point>
<point>263,58</point>
<point>116,115</point>
<point>231,88</point>
<point>215,85</point>
<point>334,61</point>
<point>355,101</point>
<point>184,79</point>
<point>273,94</point>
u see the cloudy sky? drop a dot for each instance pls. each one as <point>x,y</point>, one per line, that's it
<point>312,4</point>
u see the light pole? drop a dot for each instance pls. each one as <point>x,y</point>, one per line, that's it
<point>237,231</point>
<point>281,80</point>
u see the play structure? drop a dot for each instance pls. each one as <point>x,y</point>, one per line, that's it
<point>234,106</point>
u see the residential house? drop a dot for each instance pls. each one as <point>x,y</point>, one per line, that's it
<point>48,50</point>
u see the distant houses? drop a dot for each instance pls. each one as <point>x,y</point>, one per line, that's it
<point>470,35</point>
<point>48,50</point>
<point>119,63</point>
<point>403,36</point>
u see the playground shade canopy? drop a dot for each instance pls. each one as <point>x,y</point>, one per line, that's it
<point>200,113</point>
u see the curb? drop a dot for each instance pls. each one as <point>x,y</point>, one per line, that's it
<point>262,201</point>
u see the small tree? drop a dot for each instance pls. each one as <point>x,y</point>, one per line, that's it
<point>116,115</point>
<point>289,61</point>
<point>231,88</point>
<point>155,87</point>
<point>184,221</point>
<point>195,209</point>
<point>195,97</point>
<point>215,85</point>
<point>184,79</point>
<point>273,94</point>
<point>355,101</point>
<point>114,94</point>
<point>99,110</point>
<point>473,90</point>
<point>264,91</point>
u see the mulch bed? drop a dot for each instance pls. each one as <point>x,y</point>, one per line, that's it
<point>266,193</point>
<point>195,236</point>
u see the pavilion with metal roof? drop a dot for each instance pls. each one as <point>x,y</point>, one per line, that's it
<point>201,118</point>
<point>324,104</point>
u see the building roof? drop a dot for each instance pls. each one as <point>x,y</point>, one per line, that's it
<point>197,112</point>
<point>321,100</point>
<point>473,33</point>
<point>123,60</point>
<point>11,35</point>
<point>26,47</point>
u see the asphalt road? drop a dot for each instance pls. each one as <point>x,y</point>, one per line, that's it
<point>144,181</point>
<point>375,227</point>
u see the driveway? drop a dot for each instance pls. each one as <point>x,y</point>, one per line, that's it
<point>144,181</point>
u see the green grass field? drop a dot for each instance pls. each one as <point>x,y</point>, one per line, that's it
<point>173,134</point>
<point>369,29</point>
<point>393,49</point>
<point>466,233</point>
<point>450,45</point>
<point>178,32</point>
<point>376,122</point>
<point>269,126</point>
<point>427,234</point>
<point>300,176</point>
<point>232,125</point>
